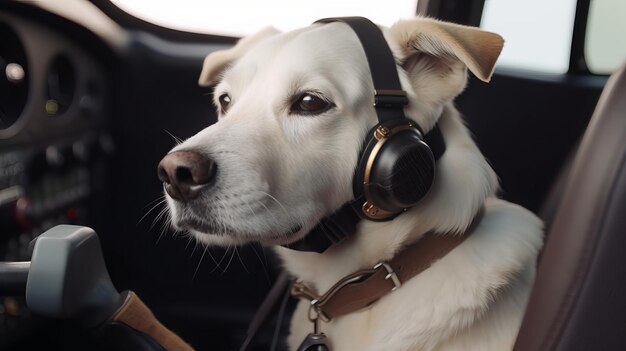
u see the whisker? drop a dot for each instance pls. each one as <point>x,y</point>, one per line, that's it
<point>166,226</point>
<point>160,196</point>
<point>176,139</point>
<point>278,202</point>
<point>250,208</point>
<point>270,212</point>
<point>218,264</point>
<point>230,260</point>
<point>200,262</point>
<point>263,264</point>
<point>212,258</point>
<point>224,256</point>
<point>240,260</point>
<point>162,200</point>
<point>195,246</point>
<point>159,217</point>
<point>189,240</point>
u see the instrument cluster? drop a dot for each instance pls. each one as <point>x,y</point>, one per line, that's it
<point>48,86</point>
<point>54,144</point>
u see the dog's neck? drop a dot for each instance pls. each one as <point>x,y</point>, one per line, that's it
<point>464,180</point>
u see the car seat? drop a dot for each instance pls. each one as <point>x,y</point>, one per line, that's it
<point>578,301</point>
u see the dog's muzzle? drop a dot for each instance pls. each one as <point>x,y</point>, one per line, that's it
<point>185,173</point>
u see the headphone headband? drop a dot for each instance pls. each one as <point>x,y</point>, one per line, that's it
<point>389,98</point>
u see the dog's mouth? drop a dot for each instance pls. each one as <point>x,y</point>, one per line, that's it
<point>203,227</point>
<point>200,225</point>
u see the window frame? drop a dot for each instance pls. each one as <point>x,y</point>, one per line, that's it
<point>131,22</point>
<point>467,12</point>
<point>577,61</point>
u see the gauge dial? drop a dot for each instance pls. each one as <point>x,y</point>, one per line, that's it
<point>13,77</point>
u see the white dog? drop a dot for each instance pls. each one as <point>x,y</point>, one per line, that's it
<point>293,112</point>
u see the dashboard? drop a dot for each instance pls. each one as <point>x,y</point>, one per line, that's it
<point>87,107</point>
<point>54,144</point>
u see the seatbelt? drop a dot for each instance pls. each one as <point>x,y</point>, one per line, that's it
<point>281,287</point>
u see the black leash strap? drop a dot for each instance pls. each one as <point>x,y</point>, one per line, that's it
<point>280,288</point>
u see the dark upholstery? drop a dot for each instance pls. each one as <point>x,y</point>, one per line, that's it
<point>578,301</point>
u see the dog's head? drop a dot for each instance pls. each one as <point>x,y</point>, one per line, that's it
<point>293,111</point>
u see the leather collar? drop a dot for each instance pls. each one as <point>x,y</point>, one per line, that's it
<point>362,288</point>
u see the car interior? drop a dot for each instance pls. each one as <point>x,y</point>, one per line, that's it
<point>92,97</point>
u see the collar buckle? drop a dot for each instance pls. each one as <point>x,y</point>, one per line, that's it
<point>391,274</point>
<point>315,312</point>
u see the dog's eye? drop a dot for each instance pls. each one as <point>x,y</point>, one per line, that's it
<point>224,100</point>
<point>310,104</point>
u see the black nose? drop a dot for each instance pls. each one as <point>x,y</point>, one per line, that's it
<point>185,174</point>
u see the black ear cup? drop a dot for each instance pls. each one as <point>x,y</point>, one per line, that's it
<point>396,169</point>
<point>402,173</point>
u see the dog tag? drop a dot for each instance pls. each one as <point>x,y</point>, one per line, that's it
<point>314,342</point>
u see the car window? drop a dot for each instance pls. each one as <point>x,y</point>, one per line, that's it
<point>242,17</point>
<point>537,33</point>
<point>605,47</point>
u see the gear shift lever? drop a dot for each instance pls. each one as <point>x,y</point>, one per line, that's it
<point>67,278</point>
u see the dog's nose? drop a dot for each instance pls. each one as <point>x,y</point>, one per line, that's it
<point>185,173</point>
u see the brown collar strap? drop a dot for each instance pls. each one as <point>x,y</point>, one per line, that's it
<point>362,288</point>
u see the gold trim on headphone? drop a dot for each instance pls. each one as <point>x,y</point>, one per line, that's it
<point>382,135</point>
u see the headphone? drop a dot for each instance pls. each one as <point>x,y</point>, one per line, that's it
<point>396,166</point>
<point>395,170</point>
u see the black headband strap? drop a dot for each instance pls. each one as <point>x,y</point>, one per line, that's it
<point>389,98</point>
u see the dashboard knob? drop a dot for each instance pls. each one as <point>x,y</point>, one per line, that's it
<point>54,156</point>
<point>15,211</point>
<point>15,72</point>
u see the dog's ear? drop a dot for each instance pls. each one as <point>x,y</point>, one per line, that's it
<point>216,62</point>
<point>441,51</point>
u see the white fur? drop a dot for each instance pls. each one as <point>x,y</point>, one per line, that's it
<point>277,171</point>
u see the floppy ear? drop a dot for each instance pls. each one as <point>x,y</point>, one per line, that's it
<point>435,51</point>
<point>216,62</point>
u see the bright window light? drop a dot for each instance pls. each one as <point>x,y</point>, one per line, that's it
<point>537,33</point>
<point>242,17</point>
<point>604,51</point>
